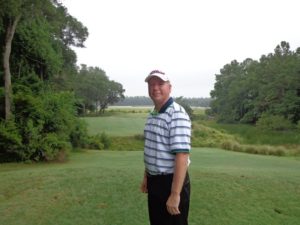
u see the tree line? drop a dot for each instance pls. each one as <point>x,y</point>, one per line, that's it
<point>252,90</point>
<point>146,101</point>
<point>42,90</point>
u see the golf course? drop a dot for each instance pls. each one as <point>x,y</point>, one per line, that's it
<point>102,186</point>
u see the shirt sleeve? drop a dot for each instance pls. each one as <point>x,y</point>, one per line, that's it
<point>180,132</point>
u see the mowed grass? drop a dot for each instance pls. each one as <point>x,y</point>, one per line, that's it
<point>102,187</point>
<point>117,124</point>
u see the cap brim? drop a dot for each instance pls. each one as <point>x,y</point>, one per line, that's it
<point>162,77</point>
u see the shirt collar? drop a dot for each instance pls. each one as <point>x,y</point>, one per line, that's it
<point>163,108</point>
<point>166,105</point>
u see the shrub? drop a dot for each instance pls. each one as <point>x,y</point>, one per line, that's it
<point>52,148</point>
<point>99,141</point>
<point>273,122</point>
<point>105,140</point>
<point>10,141</point>
<point>94,142</point>
<point>78,136</point>
<point>43,127</point>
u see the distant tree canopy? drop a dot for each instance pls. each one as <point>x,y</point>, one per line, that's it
<point>146,101</point>
<point>244,91</point>
<point>95,90</point>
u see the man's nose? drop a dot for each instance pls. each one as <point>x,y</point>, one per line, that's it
<point>155,86</point>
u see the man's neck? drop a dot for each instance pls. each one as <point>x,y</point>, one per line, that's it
<point>159,107</point>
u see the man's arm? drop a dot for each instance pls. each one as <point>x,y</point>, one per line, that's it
<point>181,166</point>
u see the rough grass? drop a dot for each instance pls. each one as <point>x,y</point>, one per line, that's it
<point>248,134</point>
<point>102,187</point>
<point>125,128</point>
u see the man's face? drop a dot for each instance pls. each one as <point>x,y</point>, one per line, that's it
<point>159,90</point>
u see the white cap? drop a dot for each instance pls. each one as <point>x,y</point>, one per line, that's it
<point>157,73</point>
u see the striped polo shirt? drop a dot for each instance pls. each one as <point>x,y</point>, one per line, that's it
<point>166,133</point>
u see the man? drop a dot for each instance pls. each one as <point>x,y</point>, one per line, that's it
<point>166,155</point>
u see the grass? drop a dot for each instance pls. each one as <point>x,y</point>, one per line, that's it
<point>125,127</point>
<point>251,135</point>
<point>117,124</point>
<point>102,187</point>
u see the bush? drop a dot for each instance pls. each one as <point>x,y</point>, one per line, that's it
<point>105,140</point>
<point>95,143</point>
<point>10,141</point>
<point>273,122</point>
<point>44,126</point>
<point>78,136</point>
<point>52,148</point>
<point>99,141</point>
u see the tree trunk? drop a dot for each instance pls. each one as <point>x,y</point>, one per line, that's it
<point>10,31</point>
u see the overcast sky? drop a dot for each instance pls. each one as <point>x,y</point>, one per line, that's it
<point>190,40</point>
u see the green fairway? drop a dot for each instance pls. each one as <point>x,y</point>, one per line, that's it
<point>125,124</point>
<point>102,187</point>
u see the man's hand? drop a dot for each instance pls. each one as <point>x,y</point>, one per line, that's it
<point>173,204</point>
<point>143,187</point>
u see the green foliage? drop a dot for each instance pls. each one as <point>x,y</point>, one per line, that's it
<point>10,140</point>
<point>52,147</point>
<point>99,141</point>
<point>273,122</point>
<point>44,126</point>
<point>79,134</point>
<point>105,140</point>
<point>146,101</point>
<point>252,139</point>
<point>96,90</point>
<point>244,91</point>
<point>204,136</point>
<point>184,103</point>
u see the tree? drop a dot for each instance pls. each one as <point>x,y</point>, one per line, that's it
<point>245,91</point>
<point>185,104</point>
<point>96,90</point>
<point>9,24</point>
<point>36,36</point>
<point>114,93</point>
<point>38,18</point>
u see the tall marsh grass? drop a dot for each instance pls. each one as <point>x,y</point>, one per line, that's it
<point>233,138</point>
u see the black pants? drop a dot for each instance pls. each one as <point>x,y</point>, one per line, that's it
<point>159,189</point>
